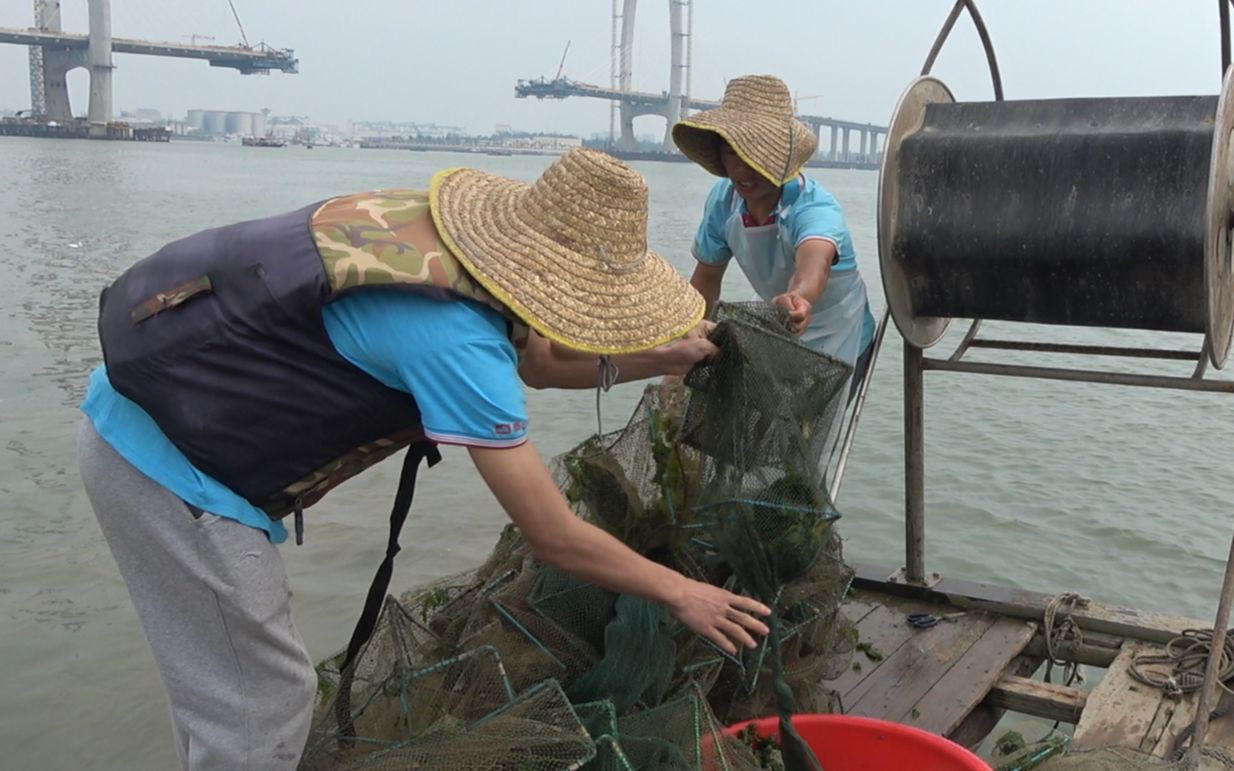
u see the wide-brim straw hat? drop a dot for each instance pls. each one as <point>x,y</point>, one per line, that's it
<point>568,254</point>
<point>757,119</point>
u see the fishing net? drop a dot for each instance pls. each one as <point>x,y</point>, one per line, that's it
<point>765,511</point>
<point>393,713</point>
<point>526,667</point>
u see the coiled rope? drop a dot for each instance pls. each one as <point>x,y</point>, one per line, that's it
<point>1066,631</point>
<point>1180,669</point>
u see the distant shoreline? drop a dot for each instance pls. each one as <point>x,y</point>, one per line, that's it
<point>625,155</point>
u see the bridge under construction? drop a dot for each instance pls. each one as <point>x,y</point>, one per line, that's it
<point>677,101</point>
<point>54,52</point>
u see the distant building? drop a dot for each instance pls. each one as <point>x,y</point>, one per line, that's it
<point>555,142</point>
<point>402,129</point>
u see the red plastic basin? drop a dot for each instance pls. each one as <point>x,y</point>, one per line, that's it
<point>851,743</point>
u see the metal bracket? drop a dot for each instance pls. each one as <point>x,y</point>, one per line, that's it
<point>901,577</point>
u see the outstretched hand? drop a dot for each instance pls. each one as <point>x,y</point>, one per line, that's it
<point>725,618</point>
<point>678,357</point>
<point>798,307</point>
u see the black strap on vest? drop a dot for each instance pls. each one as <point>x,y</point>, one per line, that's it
<point>398,515</point>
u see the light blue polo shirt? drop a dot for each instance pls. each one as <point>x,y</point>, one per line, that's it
<point>806,210</point>
<point>454,355</point>
<point>842,323</point>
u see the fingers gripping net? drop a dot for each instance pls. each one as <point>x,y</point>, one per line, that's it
<point>817,642</point>
<point>766,401</point>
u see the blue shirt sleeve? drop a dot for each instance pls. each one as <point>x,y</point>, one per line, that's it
<point>453,356</point>
<point>817,214</point>
<point>819,218</point>
<point>710,244</point>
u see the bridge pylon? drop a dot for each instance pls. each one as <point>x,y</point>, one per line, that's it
<point>98,57</point>
<point>674,107</point>
<point>49,68</point>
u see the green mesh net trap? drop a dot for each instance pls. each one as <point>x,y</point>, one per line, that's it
<point>517,665</point>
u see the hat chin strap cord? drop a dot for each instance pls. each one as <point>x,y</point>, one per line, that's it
<point>788,161</point>
<point>606,379</point>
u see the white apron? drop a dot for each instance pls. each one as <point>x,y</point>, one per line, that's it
<point>766,255</point>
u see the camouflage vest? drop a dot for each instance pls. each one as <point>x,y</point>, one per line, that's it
<point>387,237</point>
<point>219,337</point>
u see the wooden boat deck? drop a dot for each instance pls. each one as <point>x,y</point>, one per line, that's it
<point>929,678</point>
<point>958,678</point>
<point>1123,712</point>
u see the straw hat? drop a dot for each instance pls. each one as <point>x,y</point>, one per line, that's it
<point>568,254</point>
<point>756,118</point>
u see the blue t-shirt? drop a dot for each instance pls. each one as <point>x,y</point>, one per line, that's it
<point>806,210</point>
<point>842,324</point>
<point>453,355</point>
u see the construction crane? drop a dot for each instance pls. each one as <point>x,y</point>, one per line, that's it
<point>244,40</point>
<point>562,65</point>
<point>797,99</point>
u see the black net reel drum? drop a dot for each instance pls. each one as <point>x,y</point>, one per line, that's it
<point>1102,212</point>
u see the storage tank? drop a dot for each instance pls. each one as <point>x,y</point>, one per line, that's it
<point>240,123</point>
<point>259,124</point>
<point>215,122</point>
<point>196,119</point>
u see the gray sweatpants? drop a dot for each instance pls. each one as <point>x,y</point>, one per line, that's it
<point>213,600</point>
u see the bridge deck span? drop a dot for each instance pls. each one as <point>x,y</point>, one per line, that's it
<point>245,59</point>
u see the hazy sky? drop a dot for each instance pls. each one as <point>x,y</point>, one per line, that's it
<point>455,62</point>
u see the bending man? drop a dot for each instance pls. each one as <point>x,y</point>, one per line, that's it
<point>251,368</point>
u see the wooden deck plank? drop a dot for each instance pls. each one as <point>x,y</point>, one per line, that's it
<point>913,669</point>
<point>965,684</point>
<point>881,630</point>
<point>1171,719</point>
<point>1097,617</point>
<point>1176,717</point>
<point>1120,711</point>
<point>858,607</point>
<point>985,716</point>
<point>1033,697</point>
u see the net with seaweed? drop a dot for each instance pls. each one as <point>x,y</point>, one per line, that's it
<point>518,665</point>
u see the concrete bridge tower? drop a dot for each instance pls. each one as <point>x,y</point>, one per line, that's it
<point>49,68</point>
<point>98,58</point>
<point>681,22</point>
<point>49,89</point>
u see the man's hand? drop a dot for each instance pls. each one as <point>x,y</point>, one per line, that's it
<point>679,357</point>
<point>725,618</point>
<point>551,365</point>
<point>526,490</point>
<point>798,307</point>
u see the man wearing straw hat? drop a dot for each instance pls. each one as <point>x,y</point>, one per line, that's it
<point>785,230</point>
<point>251,368</point>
